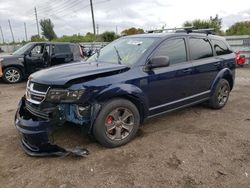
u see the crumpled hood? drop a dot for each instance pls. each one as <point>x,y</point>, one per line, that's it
<point>60,75</point>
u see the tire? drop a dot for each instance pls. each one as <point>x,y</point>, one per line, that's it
<point>117,123</point>
<point>221,95</point>
<point>12,75</point>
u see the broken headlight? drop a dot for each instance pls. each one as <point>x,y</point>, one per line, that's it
<point>64,96</point>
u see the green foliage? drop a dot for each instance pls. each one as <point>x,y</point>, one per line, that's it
<point>76,38</point>
<point>132,31</point>
<point>89,37</point>
<point>37,38</point>
<point>48,29</point>
<point>108,36</point>
<point>239,28</point>
<point>205,24</point>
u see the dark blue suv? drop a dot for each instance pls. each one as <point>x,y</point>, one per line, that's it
<point>131,79</point>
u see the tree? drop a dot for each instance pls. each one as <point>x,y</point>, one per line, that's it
<point>108,36</point>
<point>37,38</point>
<point>239,28</point>
<point>132,31</point>
<point>205,24</point>
<point>48,29</point>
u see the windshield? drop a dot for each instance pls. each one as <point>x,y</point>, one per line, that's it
<point>23,49</point>
<point>123,51</point>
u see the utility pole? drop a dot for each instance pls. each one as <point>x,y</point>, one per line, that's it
<point>13,39</point>
<point>25,30</point>
<point>37,23</point>
<point>2,33</point>
<point>116,30</point>
<point>93,18</point>
<point>97,29</point>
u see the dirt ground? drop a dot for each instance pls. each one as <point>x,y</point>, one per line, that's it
<point>194,147</point>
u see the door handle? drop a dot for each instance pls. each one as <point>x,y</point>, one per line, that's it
<point>187,70</point>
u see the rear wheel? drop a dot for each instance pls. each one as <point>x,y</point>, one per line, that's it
<point>12,75</point>
<point>221,95</point>
<point>117,123</point>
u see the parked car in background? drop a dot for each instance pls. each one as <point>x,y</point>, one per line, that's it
<point>130,80</point>
<point>35,56</point>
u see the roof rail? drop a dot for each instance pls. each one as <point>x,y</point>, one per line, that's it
<point>170,29</point>
<point>205,31</point>
<point>184,29</point>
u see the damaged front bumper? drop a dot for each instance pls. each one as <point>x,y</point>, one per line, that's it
<point>35,133</point>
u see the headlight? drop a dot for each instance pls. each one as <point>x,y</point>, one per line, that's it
<point>64,96</point>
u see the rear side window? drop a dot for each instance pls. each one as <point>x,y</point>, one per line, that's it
<point>61,48</point>
<point>221,48</point>
<point>175,49</point>
<point>200,48</point>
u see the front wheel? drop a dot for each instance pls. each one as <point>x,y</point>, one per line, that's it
<point>221,95</point>
<point>117,123</point>
<point>12,75</point>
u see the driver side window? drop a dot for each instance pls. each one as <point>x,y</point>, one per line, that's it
<point>174,49</point>
<point>37,50</point>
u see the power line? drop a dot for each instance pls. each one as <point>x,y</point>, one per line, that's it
<point>62,7</point>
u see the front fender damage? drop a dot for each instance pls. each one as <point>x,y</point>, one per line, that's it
<point>36,134</point>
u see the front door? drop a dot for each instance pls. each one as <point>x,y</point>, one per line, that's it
<point>35,59</point>
<point>169,87</point>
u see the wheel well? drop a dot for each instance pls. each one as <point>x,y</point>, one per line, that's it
<point>137,103</point>
<point>229,79</point>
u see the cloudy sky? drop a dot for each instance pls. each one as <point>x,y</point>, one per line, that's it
<point>73,16</point>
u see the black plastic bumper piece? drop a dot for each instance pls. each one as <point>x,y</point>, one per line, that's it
<point>34,135</point>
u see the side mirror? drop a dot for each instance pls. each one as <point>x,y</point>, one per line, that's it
<point>159,61</point>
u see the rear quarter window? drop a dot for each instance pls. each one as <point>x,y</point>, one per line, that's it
<point>220,47</point>
<point>200,48</point>
<point>61,48</point>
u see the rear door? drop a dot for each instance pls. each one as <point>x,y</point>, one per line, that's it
<point>206,64</point>
<point>61,53</point>
<point>169,86</point>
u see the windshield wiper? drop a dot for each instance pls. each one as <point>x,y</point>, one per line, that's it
<point>118,55</point>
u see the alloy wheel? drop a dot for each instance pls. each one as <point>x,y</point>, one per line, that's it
<point>223,94</point>
<point>119,124</point>
<point>12,75</point>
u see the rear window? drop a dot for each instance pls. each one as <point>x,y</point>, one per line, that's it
<point>200,48</point>
<point>220,47</point>
<point>61,48</point>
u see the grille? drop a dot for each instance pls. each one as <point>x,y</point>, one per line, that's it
<point>40,87</point>
<point>36,93</point>
<point>36,111</point>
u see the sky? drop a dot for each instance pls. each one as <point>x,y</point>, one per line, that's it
<point>74,16</point>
